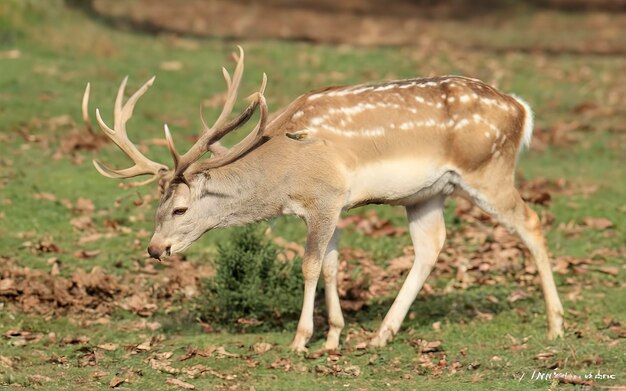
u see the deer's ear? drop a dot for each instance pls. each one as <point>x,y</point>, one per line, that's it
<point>164,181</point>
<point>162,185</point>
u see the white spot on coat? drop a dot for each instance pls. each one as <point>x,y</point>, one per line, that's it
<point>462,123</point>
<point>317,121</point>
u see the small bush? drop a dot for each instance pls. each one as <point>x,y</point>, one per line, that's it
<point>251,289</point>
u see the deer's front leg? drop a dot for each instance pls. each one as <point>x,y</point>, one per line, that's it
<point>319,236</point>
<point>335,317</point>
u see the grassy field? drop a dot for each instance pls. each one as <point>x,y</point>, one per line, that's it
<point>64,228</point>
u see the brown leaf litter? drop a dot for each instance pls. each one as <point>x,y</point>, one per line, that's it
<point>372,225</point>
<point>359,279</point>
<point>95,293</point>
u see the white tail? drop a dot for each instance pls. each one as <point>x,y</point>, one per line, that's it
<point>408,142</point>
<point>527,133</point>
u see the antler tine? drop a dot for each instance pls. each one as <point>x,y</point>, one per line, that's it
<point>121,114</point>
<point>133,171</point>
<point>170,145</point>
<point>232,87</point>
<point>129,107</point>
<point>251,140</point>
<point>216,148</point>
<point>203,143</point>
<point>226,77</point>
<point>210,136</point>
<point>205,127</point>
<point>117,107</point>
<point>263,84</point>
<point>85,108</point>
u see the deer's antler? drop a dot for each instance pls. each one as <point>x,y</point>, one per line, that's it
<point>249,142</point>
<point>209,139</point>
<point>121,115</point>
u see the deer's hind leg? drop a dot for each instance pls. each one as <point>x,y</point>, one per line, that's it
<point>428,232</point>
<point>506,206</point>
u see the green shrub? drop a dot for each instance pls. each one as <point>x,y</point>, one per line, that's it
<point>251,288</point>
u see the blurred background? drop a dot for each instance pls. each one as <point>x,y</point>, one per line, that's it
<point>536,23</point>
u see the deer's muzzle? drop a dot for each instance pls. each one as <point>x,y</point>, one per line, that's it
<point>156,251</point>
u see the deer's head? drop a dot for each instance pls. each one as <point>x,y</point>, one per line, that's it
<point>180,218</point>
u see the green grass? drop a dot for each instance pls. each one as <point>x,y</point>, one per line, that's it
<point>47,81</point>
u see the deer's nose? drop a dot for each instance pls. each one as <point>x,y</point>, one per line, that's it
<point>155,251</point>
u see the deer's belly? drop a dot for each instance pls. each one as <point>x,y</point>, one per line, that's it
<point>399,182</point>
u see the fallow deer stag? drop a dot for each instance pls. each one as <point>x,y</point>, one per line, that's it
<point>408,142</point>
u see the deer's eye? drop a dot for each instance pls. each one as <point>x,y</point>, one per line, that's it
<point>179,211</point>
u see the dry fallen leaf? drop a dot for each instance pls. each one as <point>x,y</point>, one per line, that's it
<point>7,287</point>
<point>599,223</point>
<point>116,381</point>
<point>86,254</point>
<point>144,346</point>
<point>39,379</point>
<point>338,370</point>
<point>282,363</point>
<point>81,223</point>
<point>291,249</point>
<point>424,346</point>
<point>84,205</point>
<point>612,270</point>
<point>90,357</point>
<point>56,359</point>
<point>370,224</point>
<point>221,353</point>
<point>171,65</point>
<point>516,295</point>
<point>11,54</point>
<point>139,304</point>
<point>99,374</point>
<point>484,316</point>
<point>108,346</point>
<point>517,345</point>
<point>22,337</point>
<point>261,347</point>
<point>163,366</point>
<point>89,238</point>
<point>6,362</point>
<point>45,196</point>
<point>192,352</point>
<point>545,355</point>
